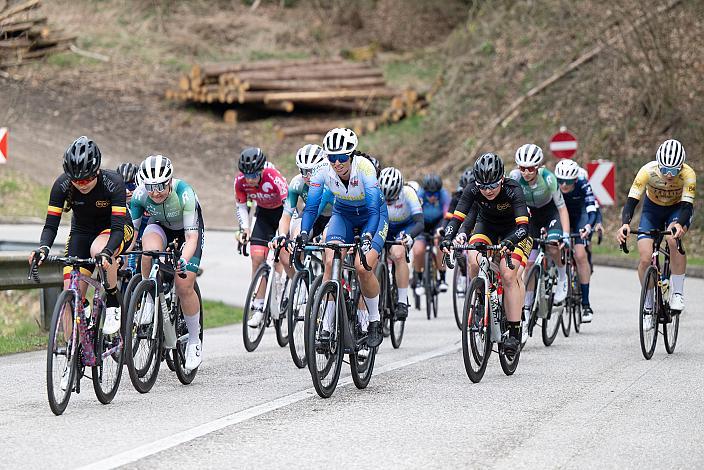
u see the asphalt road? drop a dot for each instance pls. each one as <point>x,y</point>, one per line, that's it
<point>590,400</point>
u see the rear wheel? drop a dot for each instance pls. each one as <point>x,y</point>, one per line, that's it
<point>567,312</point>
<point>551,323</point>
<point>362,366</point>
<point>670,331</point>
<point>508,363</point>
<point>428,284</point>
<point>325,358</point>
<point>143,338</point>
<point>458,294</point>
<point>252,336</point>
<point>281,323</point>
<point>385,310</point>
<point>61,356</point>
<point>649,313</point>
<point>532,289</point>
<point>131,286</point>
<point>397,326</point>
<point>178,355</point>
<point>295,315</point>
<point>476,338</point>
<point>575,295</point>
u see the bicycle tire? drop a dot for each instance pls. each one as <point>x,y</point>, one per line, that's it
<point>508,365</point>
<point>576,301</point>
<point>322,364</point>
<point>314,287</point>
<point>476,356</point>
<point>551,324</point>
<point>127,296</point>
<point>436,288</point>
<point>296,317</point>
<point>59,402</point>
<point>142,379</point>
<point>397,327</point>
<point>456,307</point>
<point>115,360</point>
<point>281,323</point>
<point>362,368</point>
<point>252,341</point>
<point>427,283</point>
<point>670,332</point>
<point>533,279</point>
<point>567,313</point>
<point>647,343</point>
<point>179,353</point>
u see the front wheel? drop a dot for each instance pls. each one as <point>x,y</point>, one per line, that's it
<point>252,336</point>
<point>458,294</point>
<point>325,357</point>
<point>281,323</point>
<point>184,375</point>
<point>476,337</point>
<point>61,355</point>
<point>551,323</point>
<point>143,337</point>
<point>296,315</point>
<point>670,331</point>
<point>362,367</point>
<point>649,312</point>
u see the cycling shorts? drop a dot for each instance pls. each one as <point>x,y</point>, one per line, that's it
<point>491,234</point>
<point>342,227</point>
<point>168,235</point>
<point>266,225</point>
<point>656,217</point>
<point>545,217</point>
<point>429,229</point>
<point>79,243</point>
<point>577,222</point>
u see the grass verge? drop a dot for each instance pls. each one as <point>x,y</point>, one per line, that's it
<point>29,199</point>
<point>20,332</point>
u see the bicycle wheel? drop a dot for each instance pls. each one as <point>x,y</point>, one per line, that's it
<point>143,338</point>
<point>61,356</point>
<point>532,285</point>
<point>110,357</point>
<point>508,364</point>
<point>457,295</point>
<point>253,336</point>
<point>362,367</point>
<point>295,316</point>
<point>567,312</point>
<point>397,326</point>
<point>436,289</point>
<point>384,308</point>
<point>649,317</point>
<point>131,286</point>
<point>476,337</point>
<point>184,375</point>
<point>550,324</point>
<point>670,331</point>
<point>325,359</point>
<point>575,294</point>
<point>428,274</point>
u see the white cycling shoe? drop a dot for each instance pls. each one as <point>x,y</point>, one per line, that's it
<point>257,317</point>
<point>420,291</point>
<point>677,302</point>
<point>193,356</point>
<point>111,325</point>
<point>561,290</point>
<point>64,378</point>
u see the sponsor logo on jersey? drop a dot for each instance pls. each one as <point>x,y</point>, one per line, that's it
<point>503,206</point>
<point>267,187</point>
<point>102,204</point>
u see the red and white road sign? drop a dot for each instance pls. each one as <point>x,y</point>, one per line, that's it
<point>3,144</point>
<point>563,145</point>
<point>602,178</point>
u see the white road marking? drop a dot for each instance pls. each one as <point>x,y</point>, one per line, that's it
<point>165,443</point>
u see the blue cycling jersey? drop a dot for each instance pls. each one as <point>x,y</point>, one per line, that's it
<point>580,200</point>
<point>433,213</point>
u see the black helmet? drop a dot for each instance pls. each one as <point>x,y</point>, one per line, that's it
<point>252,160</point>
<point>431,183</point>
<point>128,171</point>
<point>82,159</point>
<point>488,169</point>
<point>466,178</point>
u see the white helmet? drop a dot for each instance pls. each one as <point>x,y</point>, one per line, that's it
<point>567,169</point>
<point>529,155</point>
<point>340,141</point>
<point>309,156</point>
<point>391,183</point>
<point>671,154</point>
<point>156,169</point>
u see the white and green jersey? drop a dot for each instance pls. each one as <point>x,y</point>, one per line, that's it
<point>177,212</point>
<point>299,189</point>
<point>542,190</point>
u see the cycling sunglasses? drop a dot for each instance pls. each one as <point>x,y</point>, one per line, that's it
<point>84,181</point>
<point>490,186</point>
<point>131,186</point>
<point>253,176</point>
<point>157,188</point>
<point>306,171</point>
<point>339,157</point>
<point>669,170</point>
<point>564,181</point>
<point>528,169</point>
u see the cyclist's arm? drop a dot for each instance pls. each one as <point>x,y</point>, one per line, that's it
<point>188,201</point>
<point>284,224</point>
<point>451,208</point>
<point>241,209</point>
<point>372,196</point>
<point>315,195</point>
<point>136,209</point>
<point>635,194</point>
<point>460,214</point>
<point>689,190</point>
<point>57,198</point>
<point>470,221</point>
<point>685,212</point>
<point>417,225</point>
<point>520,211</point>
<point>628,209</point>
<point>589,202</point>
<point>118,214</point>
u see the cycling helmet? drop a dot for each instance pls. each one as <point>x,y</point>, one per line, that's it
<point>466,178</point>
<point>488,169</point>
<point>155,169</point>
<point>391,183</point>
<point>252,160</point>
<point>128,172</point>
<point>567,169</point>
<point>309,156</point>
<point>671,154</point>
<point>529,155</point>
<point>432,183</point>
<point>340,141</point>
<point>82,159</point>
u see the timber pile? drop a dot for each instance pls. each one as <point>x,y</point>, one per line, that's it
<point>25,36</point>
<point>326,84</point>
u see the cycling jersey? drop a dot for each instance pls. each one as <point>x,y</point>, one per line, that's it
<point>299,189</point>
<point>401,212</point>
<point>433,212</point>
<point>580,200</point>
<point>177,212</point>
<point>102,208</point>
<point>541,190</point>
<point>269,193</point>
<point>682,188</point>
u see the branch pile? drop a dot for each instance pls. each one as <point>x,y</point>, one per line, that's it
<point>25,36</point>
<point>326,84</point>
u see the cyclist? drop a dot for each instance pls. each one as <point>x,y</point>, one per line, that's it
<point>466,178</point>
<point>128,171</point>
<point>579,200</point>
<point>174,214</point>
<point>502,218</point>
<point>268,188</point>
<point>405,223</point>
<point>436,201</point>
<point>308,158</point>
<point>669,185</point>
<point>358,206</point>
<point>547,210</point>
<point>100,227</point>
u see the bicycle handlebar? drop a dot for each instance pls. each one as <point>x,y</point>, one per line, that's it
<point>482,248</point>
<point>654,233</point>
<point>339,247</point>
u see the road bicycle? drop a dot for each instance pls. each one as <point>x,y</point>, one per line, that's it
<point>156,327</point>
<point>430,278</point>
<point>460,284</point>
<point>347,336</point>
<point>388,295</point>
<point>655,291</point>
<point>76,338</point>
<point>540,283</point>
<point>275,309</point>
<point>484,318</point>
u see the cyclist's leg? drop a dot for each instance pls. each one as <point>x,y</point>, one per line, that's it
<point>153,239</point>
<point>284,255</point>
<point>264,230</point>
<point>514,291</point>
<point>397,254</point>
<point>483,233</point>
<point>99,244</point>
<point>678,261</point>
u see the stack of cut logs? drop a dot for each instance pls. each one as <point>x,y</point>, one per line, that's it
<point>25,36</point>
<point>331,84</point>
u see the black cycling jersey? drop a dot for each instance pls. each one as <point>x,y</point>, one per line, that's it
<point>507,209</point>
<point>102,208</point>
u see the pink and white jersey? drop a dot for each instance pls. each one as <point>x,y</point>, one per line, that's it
<point>270,193</point>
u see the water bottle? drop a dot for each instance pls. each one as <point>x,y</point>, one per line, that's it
<point>169,328</point>
<point>666,289</point>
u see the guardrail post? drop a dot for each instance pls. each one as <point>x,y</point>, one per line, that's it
<point>47,301</point>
